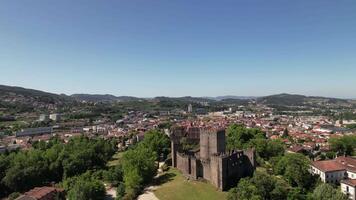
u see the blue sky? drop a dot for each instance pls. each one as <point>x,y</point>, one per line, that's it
<point>180,47</point>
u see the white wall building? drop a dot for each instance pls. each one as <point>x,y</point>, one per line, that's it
<point>340,170</point>
<point>55,117</point>
<point>348,187</point>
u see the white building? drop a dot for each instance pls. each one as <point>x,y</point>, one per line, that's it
<point>340,170</point>
<point>190,108</point>
<point>348,187</point>
<point>55,117</point>
<point>43,117</point>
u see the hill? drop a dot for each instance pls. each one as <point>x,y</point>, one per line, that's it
<point>18,99</point>
<point>102,98</point>
<point>299,100</point>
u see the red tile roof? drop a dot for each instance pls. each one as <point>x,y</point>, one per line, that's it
<point>351,182</point>
<point>42,192</point>
<point>328,165</point>
<point>348,162</point>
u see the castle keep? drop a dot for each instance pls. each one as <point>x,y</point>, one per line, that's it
<point>211,161</point>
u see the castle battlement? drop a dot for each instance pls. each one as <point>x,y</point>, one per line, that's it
<point>212,162</point>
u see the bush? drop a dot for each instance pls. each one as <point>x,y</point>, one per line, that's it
<point>165,167</point>
<point>14,195</point>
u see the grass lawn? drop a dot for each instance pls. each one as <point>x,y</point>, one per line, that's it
<point>115,159</point>
<point>176,187</point>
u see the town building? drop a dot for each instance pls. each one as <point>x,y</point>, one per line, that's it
<point>34,131</point>
<point>42,193</point>
<point>340,170</point>
<point>190,108</point>
<point>348,187</point>
<point>211,162</point>
<point>55,117</point>
<point>43,117</point>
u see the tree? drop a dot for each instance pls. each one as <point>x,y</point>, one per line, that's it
<point>344,145</point>
<point>294,168</point>
<point>50,162</point>
<point>327,192</point>
<point>296,194</point>
<point>267,149</point>
<point>239,136</point>
<point>114,175</point>
<point>120,191</point>
<point>260,186</point>
<point>158,142</point>
<point>27,170</point>
<point>84,188</point>
<point>187,145</point>
<point>138,167</point>
<point>245,190</point>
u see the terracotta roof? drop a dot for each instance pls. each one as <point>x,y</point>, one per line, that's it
<point>348,162</point>
<point>25,197</point>
<point>328,165</point>
<point>351,182</point>
<point>296,149</point>
<point>42,192</point>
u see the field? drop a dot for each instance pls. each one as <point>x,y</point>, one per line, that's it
<point>174,186</point>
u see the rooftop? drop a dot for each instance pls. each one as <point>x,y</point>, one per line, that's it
<point>328,165</point>
<point>351,182</point>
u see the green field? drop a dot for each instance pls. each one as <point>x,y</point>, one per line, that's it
<point>174,186</point>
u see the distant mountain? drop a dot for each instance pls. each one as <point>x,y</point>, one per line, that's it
<point>40,96</point>
<point>219,98</point>
<point>102,98</point>
<point>20,99</point>
<point>185,99</point>
<point>298,100</point>
<point>14,97</point>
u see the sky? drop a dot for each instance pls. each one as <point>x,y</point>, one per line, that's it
<point>150,48</point>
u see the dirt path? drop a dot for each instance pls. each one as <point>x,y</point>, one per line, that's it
<point>148,191</point>
<point>148,194</point>
<point>110,193</point>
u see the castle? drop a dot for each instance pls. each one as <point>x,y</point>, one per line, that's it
<point>211,162</point>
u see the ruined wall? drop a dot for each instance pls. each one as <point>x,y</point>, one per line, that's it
<point>188,165</point>
<point>217,142</point>
<point>183,163</point>
<point>206,169</point>
<point>174,153</point>
<point>217,177</point>
<point>222,169</point>
<point>204,145</point>
<point>250,164</point>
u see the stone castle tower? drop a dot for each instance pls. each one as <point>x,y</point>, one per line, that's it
<point>212,162</point>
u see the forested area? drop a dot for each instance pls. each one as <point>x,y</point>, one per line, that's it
<point>53,162</point>
<point>280,175</point>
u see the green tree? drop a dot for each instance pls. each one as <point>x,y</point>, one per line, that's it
<point>260,186</point>
<point>267,149</point>
<point>138,167</point>
<point>158,142</point>
<point>327,192</point>
<point>239,136</point>
<point>245,190</point>
<point>120,191</point>
<point>114,175</point>
<point>344,145</point>
<point>294,168</point>
<point>85,188</point>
